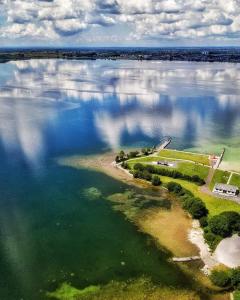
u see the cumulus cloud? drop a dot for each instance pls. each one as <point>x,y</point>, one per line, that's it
<point>152,19</point>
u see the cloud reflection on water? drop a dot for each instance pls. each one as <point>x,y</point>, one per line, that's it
<point>195,101</point>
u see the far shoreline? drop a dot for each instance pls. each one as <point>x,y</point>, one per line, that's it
<point>189,54</point>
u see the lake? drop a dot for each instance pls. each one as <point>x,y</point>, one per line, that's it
<point>50,230</point>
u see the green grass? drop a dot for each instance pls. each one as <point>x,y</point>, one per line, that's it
<point>235,180</point>
<point>236,295</point>
<point>148,159</point>
<point>193,169</point>
<point>220,176</point>
<point>214,205</point>
<point>195,157</point>
<point>187,168</point>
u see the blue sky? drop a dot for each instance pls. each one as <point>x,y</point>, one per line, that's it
<point>119,22</point>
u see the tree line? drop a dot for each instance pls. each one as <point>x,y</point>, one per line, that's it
<point>145,172</point>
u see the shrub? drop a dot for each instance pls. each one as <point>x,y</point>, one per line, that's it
<point>156,180</point>
<point>211,239</point>
<point>233,219</point>
<point>198,209</point>
<point>220,225</point>
<point>146,175</point>
<point>220,278</point>
<point>174,187</point>
<point>139,166</point>
<point>137,174</point>
<point>187,203</point>
<point>235,278</point>
<point>203,221</point>
<point>133,154</point>
<point>124,165</point>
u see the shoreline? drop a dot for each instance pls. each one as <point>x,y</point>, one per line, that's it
<point>194,54</point>
<point>193,233</point>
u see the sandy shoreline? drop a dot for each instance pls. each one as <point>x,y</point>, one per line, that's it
<point>189,241</point>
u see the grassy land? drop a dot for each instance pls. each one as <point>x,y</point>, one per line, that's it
<point>236,295</point>
<point>235,180</point>
<point>214,205</point>
<point>187,168</point>
<point>220,176</point>
<point>195,157</point>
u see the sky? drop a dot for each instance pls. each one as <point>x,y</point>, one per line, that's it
<point>119,23</point>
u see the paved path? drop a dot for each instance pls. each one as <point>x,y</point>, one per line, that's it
<point>230,177</point>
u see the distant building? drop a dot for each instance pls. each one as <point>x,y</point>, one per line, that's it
<point>226,189</point>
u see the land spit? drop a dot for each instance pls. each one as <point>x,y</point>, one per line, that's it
<point>152,224</point>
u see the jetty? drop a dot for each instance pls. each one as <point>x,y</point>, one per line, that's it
<point>219,160</point>
<point>185,259</point>
<point>163,143</point>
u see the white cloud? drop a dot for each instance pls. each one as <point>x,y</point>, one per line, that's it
<point>154,19</point>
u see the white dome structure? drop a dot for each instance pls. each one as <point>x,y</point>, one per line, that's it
<point>228,251</point>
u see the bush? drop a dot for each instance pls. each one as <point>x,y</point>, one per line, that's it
<point>124,165</point>
<point>203,222</point>
<point>156,180</point>
<point>174,187</point>
<point>132,154</point>
<point>198,209</point>
<point>139,166</point>
<point>220,225</point>
<point>146,175</point>
<point>233,219</point>
<point>211,238</point>
<point>195,207</point>
<point>235,278</point>
<point>220,278</point>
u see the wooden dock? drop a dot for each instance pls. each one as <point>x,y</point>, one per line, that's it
<point>185,259</point>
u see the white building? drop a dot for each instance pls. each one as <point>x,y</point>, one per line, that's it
<point>226,189</point>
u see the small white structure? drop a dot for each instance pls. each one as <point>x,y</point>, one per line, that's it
<point>226,189</point>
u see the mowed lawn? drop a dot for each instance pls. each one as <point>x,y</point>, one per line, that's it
<point>214,205</point>
<point>186,168</point>
<point>195,157</point>
<point>235,180</point>
<point>220,176</point>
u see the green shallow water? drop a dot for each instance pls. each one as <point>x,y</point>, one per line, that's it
<point>51,232</point>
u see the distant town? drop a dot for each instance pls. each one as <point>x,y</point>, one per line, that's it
<point>172,54</point>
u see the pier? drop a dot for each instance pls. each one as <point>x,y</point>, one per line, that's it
<point>185,259</point>
<point>165,142</point>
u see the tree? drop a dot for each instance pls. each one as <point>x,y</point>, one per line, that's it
<point>220,225</point>
<point>156,180</point>
<point>133,154</point>
<point>122,155</point>
<point>220,278</point>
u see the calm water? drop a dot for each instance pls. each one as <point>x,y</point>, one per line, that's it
<point>50,231</point>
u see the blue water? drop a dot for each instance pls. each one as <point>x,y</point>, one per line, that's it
<point>50,231</point>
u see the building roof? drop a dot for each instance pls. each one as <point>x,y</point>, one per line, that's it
<point>227,187</point>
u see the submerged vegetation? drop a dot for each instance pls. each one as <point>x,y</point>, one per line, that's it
<point>137,289</point>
